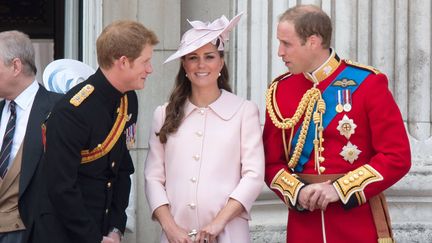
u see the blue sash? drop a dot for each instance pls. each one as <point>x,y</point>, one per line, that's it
<point>330,97</point>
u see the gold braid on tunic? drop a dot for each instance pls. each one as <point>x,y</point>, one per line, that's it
<point>311,106</point>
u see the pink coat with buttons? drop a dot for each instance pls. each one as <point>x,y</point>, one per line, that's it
<point>216,154</point>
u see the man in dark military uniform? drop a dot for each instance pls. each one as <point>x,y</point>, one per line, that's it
<point>87,163</point>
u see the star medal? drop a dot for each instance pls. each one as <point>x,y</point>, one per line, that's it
<point>339,107</point>
<point>347,100</point>
<point>346,127</point>
<point>350,152</point>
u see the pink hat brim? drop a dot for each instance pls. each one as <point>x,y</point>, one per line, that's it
<point>200,37</point>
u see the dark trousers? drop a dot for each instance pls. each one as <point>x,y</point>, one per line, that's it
<point>11,237</point>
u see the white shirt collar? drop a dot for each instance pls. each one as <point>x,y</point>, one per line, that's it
<point>25,99</point>
<point>24,103</point>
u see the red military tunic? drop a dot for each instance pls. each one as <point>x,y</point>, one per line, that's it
<point>382,153</point>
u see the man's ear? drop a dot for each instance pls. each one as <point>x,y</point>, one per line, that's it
<point>122,62</point>
<point>314,41</point>
<point>17,66</point>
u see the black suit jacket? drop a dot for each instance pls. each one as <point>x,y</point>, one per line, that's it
<point>32,154</point>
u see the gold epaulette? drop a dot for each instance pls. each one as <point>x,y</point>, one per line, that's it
<point>288,185</point>
<point>362,66</point>
<point>112,138</point>
<point>282,76</point>
<point>355,182</point>
<point>79,97</point>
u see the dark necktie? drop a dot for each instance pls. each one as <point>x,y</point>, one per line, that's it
<point>7,140</point>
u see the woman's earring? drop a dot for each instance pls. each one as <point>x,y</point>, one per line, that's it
<point>186,75</point>
<point>219,74</point>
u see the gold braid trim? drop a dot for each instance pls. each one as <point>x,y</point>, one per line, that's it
<point>310,99</point>
<point>356,181</point>
<point>362,66</point>
<point>288,185</point>
<point>385,240</point>
<point>105,147</point>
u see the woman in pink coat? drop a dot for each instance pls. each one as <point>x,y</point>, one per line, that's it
<point>205,166</point>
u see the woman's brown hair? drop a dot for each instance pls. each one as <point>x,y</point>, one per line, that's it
<point>182,90</point>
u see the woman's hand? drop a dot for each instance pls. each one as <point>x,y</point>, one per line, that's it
<point>176,234</point>
<point>209,233</point>
<point>173,232</point>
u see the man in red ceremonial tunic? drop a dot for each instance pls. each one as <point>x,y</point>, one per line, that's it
<point>334,137</point>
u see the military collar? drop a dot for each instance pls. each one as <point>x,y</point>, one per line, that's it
<point>225,106</point>
<point>325,70</point>
<point>103,86</point>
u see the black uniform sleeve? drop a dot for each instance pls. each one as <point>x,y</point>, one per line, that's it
<point>121,192</point>
<point>126,168</point>
<point>67,133</point>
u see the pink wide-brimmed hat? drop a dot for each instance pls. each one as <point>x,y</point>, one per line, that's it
<point>203,33</point>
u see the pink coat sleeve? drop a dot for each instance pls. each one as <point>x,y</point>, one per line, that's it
<point>154,170</point>
<point>252,158</point>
